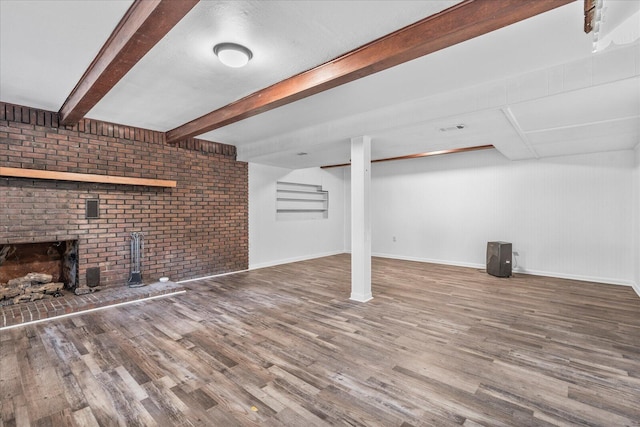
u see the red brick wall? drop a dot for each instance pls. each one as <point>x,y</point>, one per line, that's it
<point>198,228</point>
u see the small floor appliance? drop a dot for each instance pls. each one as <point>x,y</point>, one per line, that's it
<point>499,259</point>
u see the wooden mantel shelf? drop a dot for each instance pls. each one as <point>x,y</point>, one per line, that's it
<point>84,177</point>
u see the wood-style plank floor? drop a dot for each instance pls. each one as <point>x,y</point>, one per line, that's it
<point>284,346</point>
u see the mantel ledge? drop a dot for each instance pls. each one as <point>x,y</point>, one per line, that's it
<point>84,177</point>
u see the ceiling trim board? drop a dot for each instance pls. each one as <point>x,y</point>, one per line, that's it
<point>144,24</point>
<point>516,126</point>
<point>417,156</point>
<point>464,21</point>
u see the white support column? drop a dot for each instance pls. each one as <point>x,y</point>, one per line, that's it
<point>360,219</point>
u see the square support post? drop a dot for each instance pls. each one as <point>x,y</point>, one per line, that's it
<point>360,219</point>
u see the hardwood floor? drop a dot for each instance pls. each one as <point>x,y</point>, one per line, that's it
<point>283,346</point>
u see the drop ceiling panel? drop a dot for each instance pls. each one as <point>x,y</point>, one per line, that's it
<point>594,104</point>
<point>480,128</point>
<point>587,145</point>
<point>483,127</point>
<point>615,64</point>
<point>605,129</point>
<point>612,135</point>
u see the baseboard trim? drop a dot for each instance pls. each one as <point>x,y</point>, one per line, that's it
<point>429,260</point>
<point>603,280</point>
<point>361,297</point>
<point>519,270</point>
<point>290,260</point>
<point>212,276</point>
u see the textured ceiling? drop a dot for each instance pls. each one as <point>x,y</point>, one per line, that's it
<point>182,79</point>
<point>46,46</point>
<point>533,89</point>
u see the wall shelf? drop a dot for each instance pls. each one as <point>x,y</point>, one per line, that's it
<point>84,177</point>
<point>286,190</point>
<point>301,201</point>
<point>301,210</point>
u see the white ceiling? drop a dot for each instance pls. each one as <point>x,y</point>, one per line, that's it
<point>46,46</point>
<point>533,89</point>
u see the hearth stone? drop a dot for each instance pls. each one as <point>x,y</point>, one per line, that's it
<point>83,290</point>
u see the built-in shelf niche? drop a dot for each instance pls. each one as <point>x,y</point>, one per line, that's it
<point>296,201</point>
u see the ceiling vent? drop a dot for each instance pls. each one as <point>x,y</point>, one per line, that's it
<point>452,128</point>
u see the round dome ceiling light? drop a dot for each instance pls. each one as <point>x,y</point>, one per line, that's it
<point>232,54</point>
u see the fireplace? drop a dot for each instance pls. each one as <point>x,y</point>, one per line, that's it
<point>47,197</point>
<point>37,263</point>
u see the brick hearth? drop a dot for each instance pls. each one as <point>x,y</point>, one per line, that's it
<point>70,303</point>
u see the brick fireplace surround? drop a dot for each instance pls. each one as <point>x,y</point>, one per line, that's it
<point>196,229</point>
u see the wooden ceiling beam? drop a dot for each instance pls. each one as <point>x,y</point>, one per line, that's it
<point>142,27</point>
<point>416,156</point>
<point>464,21</point>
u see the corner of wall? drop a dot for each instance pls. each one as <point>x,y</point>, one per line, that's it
<point>346,214</point>
<point>636,205</point>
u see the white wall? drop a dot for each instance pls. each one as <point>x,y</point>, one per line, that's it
<point>636,194</point>
<point>274,242</point>
<point>566,216</point>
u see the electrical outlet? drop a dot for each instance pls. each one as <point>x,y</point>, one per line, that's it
<point>516,253</point>
<point>394,238</point>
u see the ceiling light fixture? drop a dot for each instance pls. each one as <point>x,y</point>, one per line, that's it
<point>232,54</point>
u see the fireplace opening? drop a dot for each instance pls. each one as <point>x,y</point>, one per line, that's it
<point>31,271</point>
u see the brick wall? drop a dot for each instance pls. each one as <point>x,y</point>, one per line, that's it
<point>198,228</point>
